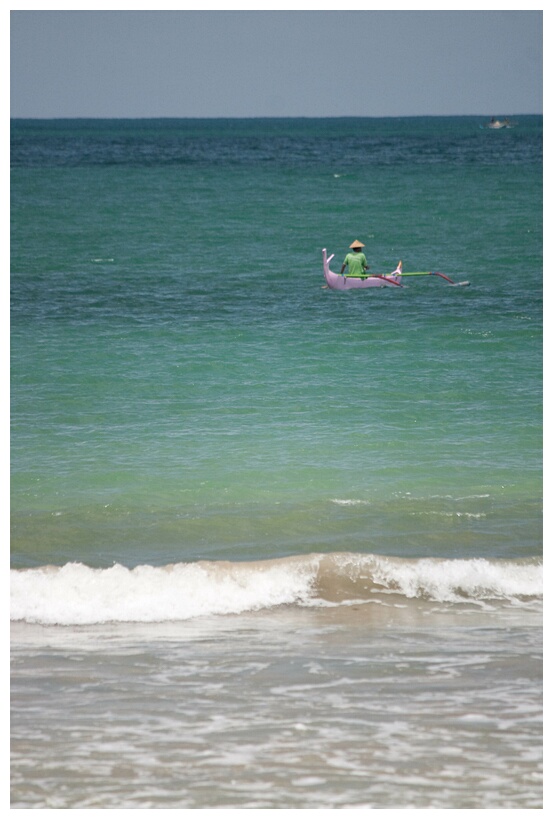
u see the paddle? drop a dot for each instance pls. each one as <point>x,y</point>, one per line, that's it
<point>364,276</point>
<point>386,279</point>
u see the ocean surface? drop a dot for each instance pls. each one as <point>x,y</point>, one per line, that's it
<point>275,546</point>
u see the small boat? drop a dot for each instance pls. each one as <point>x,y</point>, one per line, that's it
<point>336,281</point>
<point>339,281</point>
<point>496,124</point>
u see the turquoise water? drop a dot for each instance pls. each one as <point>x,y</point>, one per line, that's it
<point>183,386</point>
<point>186,393</point>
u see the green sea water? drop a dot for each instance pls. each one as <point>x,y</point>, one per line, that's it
<point>273,545</point>
<point>182,384</point>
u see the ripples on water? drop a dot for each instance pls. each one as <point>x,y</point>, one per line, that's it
<point>185,394</point>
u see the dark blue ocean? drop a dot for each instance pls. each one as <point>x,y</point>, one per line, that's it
<point>273,545</point>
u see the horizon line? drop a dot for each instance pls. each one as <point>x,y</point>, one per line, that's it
<point>267,116</point>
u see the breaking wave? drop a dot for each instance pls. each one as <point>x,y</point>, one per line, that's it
<point>76,594</point>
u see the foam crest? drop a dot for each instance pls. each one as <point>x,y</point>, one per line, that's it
<point>76,594</point>
<point>457,580</point>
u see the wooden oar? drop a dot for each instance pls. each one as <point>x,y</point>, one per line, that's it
<point>386,279</point>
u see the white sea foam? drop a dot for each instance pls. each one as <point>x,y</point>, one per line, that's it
<point>78,594</point>
<point>457,580</point>
<point>350,502</point>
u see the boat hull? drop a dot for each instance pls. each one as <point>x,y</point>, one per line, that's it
<point>496,124</point>
<point>338,282</point>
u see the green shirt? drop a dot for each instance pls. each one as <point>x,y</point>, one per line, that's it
<point>356,264</point>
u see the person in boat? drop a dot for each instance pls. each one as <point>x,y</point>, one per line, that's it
<point>355,262</point>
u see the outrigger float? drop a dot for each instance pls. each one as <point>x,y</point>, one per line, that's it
<point>337,281</point>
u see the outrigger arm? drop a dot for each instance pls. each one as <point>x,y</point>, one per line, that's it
<point>442,275</point>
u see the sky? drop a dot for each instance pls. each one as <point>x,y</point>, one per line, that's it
<point>280,63</point>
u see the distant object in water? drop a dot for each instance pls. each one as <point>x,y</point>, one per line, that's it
<point>500,123</point>
<point>338,281</point>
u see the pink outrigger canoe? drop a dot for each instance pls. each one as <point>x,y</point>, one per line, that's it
<point>337,281</point>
